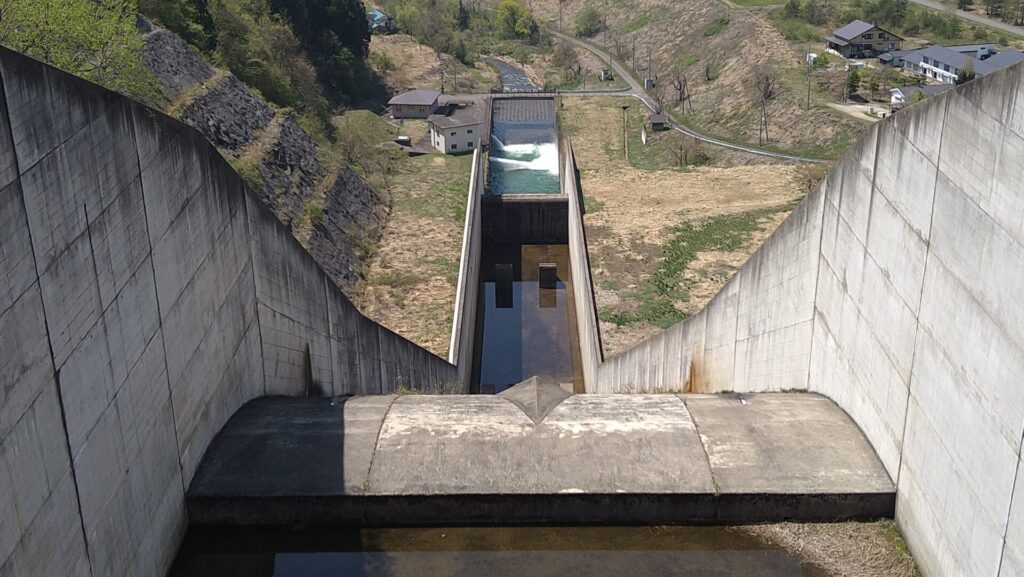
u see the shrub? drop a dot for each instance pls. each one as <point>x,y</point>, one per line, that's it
<point>716,26</point>
<point>589,22</point>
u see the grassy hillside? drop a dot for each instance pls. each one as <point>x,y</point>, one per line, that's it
<point>720,49</point>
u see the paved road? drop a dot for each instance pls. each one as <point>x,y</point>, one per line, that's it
<point>990,22</point>
<point>637,91</point>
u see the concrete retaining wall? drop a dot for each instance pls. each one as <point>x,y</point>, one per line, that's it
<point>583,289</point>
<point>144,296</point>
<point>466,293</point>
<point>895,289</point>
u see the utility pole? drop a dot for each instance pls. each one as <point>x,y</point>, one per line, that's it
<point>625,140</point>
<point>808,58</point>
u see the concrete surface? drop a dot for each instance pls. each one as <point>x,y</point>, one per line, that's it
<point>145,295</point>
<point>587,327</point>
<point>468,288</point>
<point>700,456</point>
<point>894,290</point>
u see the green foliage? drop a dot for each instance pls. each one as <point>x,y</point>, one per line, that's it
<point>335,35</point>
<point>592,205</point>
<point>313,212</point>
<point>514,22</point>
<point>589,22</point>
<point>717,26</point>
<point>94,39</point>
<point>636,23</point>
<point>189,19</point>
<point>852,81</point>
<point>814,13</point>
<point>966,73</point>
<point>792,9</point>
<point>820,62</point>
<point>797,31</point>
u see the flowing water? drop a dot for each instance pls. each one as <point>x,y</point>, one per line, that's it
<point>529,168</point>
<point>485,552</point>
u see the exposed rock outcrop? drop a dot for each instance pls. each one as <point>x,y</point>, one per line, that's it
<point>290,170</point>
<point>173,63</point>
<point>280,159</point>
<point>229,114</point>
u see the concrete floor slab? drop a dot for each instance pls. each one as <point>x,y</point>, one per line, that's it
<point>785,443</point>
<point>465,459</point>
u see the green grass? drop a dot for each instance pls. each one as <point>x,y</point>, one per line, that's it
<point>717,26</point>
<point>796,31</point>
<point>636,23</point>
<point>656,302</point>
<point>592,205</point>
<point>688,61</point>
<point>448,187</point>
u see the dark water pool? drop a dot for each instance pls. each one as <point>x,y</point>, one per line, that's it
<point>485,552</point>
<point>526,325</point>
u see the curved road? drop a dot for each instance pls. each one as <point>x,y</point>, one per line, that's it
<point>637,91</point>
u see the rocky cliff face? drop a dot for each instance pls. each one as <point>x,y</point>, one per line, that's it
<point>330,208</point>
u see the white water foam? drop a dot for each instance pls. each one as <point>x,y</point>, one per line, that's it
<point>541,157</point>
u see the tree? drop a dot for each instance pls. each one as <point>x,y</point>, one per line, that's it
<point>95,39</point>
<point>963,4</point>
<point>589,22</point>
<point>814,13</point>
<point>515,22</point>
<point>189,19</point>
<point>994,8</point>
<point>899,11</point>
<point>873,86</point>
<point>852,82</point>
<point>792,9</point>
<point>966,72</point>
<point>766,88</point>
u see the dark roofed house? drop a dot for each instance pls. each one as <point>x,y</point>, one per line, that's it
<point>860,39</point>
<point>659,122</point>
<point>416,103</point>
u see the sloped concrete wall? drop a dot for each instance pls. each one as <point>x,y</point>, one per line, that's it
<point>895,290</point>
<point>583,289</point>
<point>144,296</point>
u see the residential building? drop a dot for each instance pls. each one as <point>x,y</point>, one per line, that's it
<point>944,63</point>
<point>458,131</point>
<point>416,103</point>
<point>860,39</point>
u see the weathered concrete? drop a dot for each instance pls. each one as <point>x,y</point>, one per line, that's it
<point>145,295</point>
<point>587,327</point>
<point>590,458</point>
<point>894,290</point>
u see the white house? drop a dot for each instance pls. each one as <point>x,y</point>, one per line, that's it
<point>456,132</point>
<point>945,64</point>
<point>900,97</point>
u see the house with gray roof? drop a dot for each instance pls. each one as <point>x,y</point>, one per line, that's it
<point>418,103</point>
<point>945,63</point>
<point>457,130</point>
<point>860,39</point>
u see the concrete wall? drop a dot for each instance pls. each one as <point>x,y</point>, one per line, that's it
<point>583,289</point>
<point>467,291</point>
<point>895,289</point>
<point>144,296</point>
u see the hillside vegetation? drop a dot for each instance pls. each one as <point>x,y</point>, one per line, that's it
<point>720,51</point>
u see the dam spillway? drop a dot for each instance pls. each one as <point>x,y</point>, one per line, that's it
<point>524,321</point>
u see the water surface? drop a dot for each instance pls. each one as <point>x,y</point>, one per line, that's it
<point>485,552</point>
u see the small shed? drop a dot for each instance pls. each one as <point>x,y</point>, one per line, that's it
<point>659,122</point>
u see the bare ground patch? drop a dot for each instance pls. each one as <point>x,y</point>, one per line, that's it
<point>410,282</point>
<point>644,223</point>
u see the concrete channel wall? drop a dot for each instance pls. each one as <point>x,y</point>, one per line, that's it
<point>895,290</point>
<point>583,289</point>
<point>145,295</point>
<point>468,289</point>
